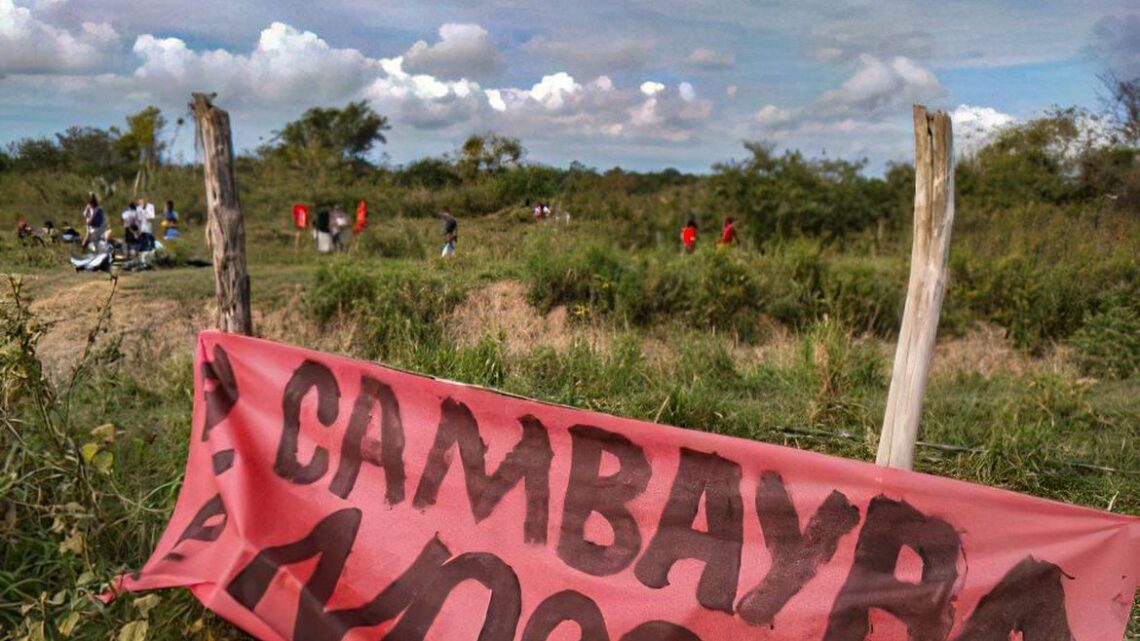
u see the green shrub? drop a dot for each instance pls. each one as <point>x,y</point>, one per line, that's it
<point>399,311</point>
<point>1108,346</point>
<point>391,239</point>
<point>589,276</point>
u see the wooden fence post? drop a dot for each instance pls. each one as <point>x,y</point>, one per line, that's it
<point>225,224</point>
<point>930,251</point>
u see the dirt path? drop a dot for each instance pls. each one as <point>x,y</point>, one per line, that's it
<point>146,324</point>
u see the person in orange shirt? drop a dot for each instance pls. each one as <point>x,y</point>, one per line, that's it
<point>689,236</point>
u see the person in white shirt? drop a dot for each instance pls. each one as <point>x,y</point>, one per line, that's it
<point>146,224</point>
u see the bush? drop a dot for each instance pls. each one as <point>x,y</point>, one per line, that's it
<point>400,312</point>
<point>391,239</point>
<point>1108,346</point>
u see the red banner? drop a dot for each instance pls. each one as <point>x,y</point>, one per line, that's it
<point>327,498</point>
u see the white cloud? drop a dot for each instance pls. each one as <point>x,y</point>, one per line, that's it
<point>731,90</point>
<point>650,87</point>
<point>31,45</point>
<point>976,126</point>
<point>424,101</point>
<point>495,100</point>
<point>553,89</point>
<point>286,66</point>
<point>867,115</point>
<point>708,59</point>
<point>879,86</point>
<point>290,68</point>
<point>773,115</point>
<point>463,51</point>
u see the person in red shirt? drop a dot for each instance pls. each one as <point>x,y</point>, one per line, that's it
<point>689,236</point>
<point>728,233</point>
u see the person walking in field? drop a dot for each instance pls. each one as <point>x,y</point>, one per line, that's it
<point>728,232</point>
<point>450,234</point>
<point>689,236</point>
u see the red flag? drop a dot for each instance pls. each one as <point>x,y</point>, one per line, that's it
<point>301,216</point>
<point>361,217</point>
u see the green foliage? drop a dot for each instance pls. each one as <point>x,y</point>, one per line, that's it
<point>394,238</point>
<point>781,197</point>
<point>344,134</point>
<point>1038,303</point>
<point>715,288</point>
<point>488,154</point>
<point>142,143</point>
<point>839,365</point>
<point>397,310</point>
<point>1109,344</point>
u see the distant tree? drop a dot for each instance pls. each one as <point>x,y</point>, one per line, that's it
<point>331,135</point>
<point>432,173</point>
<point>142,144</point>
<point>488,154</point>
<point>789,195</point>
<point>92,151</point>
<point>37,154</point>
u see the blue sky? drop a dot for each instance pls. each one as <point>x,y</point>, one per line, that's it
<point>636,83</point>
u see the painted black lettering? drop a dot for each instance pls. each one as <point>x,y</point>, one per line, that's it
<point>221,389</point>
<point>564,606</point>
<point>528,462</point>
<point>308,376</point>
<point>1029,600</point>
<point>207,525</point>
<point>717,479</point>
<point>796,556</point>
<point>357,447</point>
<point>588,492</point>
<point>923,606</point>
<point>331,539</point>
<point>503,608</point>
<point>660,631</point>
<point>391,601</point>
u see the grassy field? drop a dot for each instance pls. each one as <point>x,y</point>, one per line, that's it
<point>1033,387</point>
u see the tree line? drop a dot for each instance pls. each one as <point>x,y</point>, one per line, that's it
<point>1068,156</point>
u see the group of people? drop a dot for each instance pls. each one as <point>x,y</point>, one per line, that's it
<point>689,234</point>
<point>138,220</point>
<point>46,234</point>
<point>137,240</point>
<point>543,212</point>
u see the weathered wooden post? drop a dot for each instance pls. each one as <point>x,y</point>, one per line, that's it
<point>930,251</point>
<point>225,224</point>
